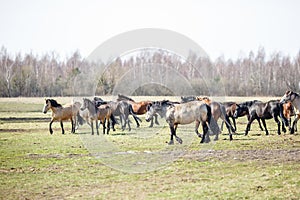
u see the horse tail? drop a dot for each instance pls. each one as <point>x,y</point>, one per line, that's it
<point>113,119</point>
<point>212,122</point>
<point>80,119</point>
<point>226,117</point>
<point>133,113</point>
<point>281,115</point>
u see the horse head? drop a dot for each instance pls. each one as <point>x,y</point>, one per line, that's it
<point>238,111</point>
<point>47,106</point>
<point>85,104</point>
<point>288,96</point>
<point>152,109</point>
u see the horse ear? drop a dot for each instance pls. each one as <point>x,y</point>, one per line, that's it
<point>288,92</point>
<point>148,106</point>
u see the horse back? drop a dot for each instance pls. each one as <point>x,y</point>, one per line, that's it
<point>66,112</point>
<point>186,113</point>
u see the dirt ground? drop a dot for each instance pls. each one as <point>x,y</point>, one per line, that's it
<point>246,155</point>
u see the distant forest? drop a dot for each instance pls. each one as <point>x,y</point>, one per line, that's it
<point>29,75</point>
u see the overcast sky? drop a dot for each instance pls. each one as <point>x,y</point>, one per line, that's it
<point>230,27</point>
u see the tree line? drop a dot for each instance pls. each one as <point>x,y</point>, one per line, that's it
<point>32,75</point>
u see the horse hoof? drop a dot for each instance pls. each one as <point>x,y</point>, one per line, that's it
<point>179,140</point>
<point>171,142</point>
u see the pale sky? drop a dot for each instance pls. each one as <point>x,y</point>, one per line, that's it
<point>228,27</point>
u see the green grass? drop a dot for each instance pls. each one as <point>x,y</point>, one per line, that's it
<point>37,165</point>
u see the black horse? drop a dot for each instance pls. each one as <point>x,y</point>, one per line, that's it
<point>263,111</point>
<point>242,109</point>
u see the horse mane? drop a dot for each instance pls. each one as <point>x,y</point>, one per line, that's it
<point>98,99</point>
<point>205,99</point>
<point>54,103</point>
<point>185,99</point>
<point>123,97</point>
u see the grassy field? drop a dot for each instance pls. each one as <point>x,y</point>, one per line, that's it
<point>139,164</point>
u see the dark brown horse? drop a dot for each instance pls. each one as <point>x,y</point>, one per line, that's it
<point>217,109</point>
<point>230,108</point>
<point>242,109</point>
<point>120,108</point>
<point>271,109</point>
<point>139,108</point>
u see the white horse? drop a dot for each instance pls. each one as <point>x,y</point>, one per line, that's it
<point>294,98</point>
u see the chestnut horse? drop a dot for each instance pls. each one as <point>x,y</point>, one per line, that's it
<point>61,113</point>
<point>139,108</point>
<point>288,112</point>
<point>294,98</point>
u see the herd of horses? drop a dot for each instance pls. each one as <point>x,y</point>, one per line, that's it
<point>201,110</point>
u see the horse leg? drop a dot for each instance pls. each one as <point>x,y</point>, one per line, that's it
<point>97,127</point>
<point>179,140</point>
<point>62,127</point>
<point>113,122</point>
<point>92,126</point>
<point>295,124</point>
<point>151,124</point>
<point>103,125</point>
<point>248,125</point>
<point>225,119</point>
<point>222,124</point>
<point>196,128</point>
<point>121,121</point>
<point>205,133</point>
<point>136,121</point>
<point>108,126</point>
<point>73,126</point>
<point>229,127</point>
<point>275,117</point>
<point>127,120</point>
<point>50,128</point>
<point>172,130</point>
<point>261,128</point>
<point>156,122</point>
<point>265,126</point>
<point>234,123</point>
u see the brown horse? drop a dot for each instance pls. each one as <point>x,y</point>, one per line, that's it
<point>139,108</point>
<point>61,113</point>
<point>84,114</point>
<point>288,112</point>
<point>102,113</point>
<point>184,113</point>
<point>230,108</point>
<point>294,98</point>
<point>218,111</point>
